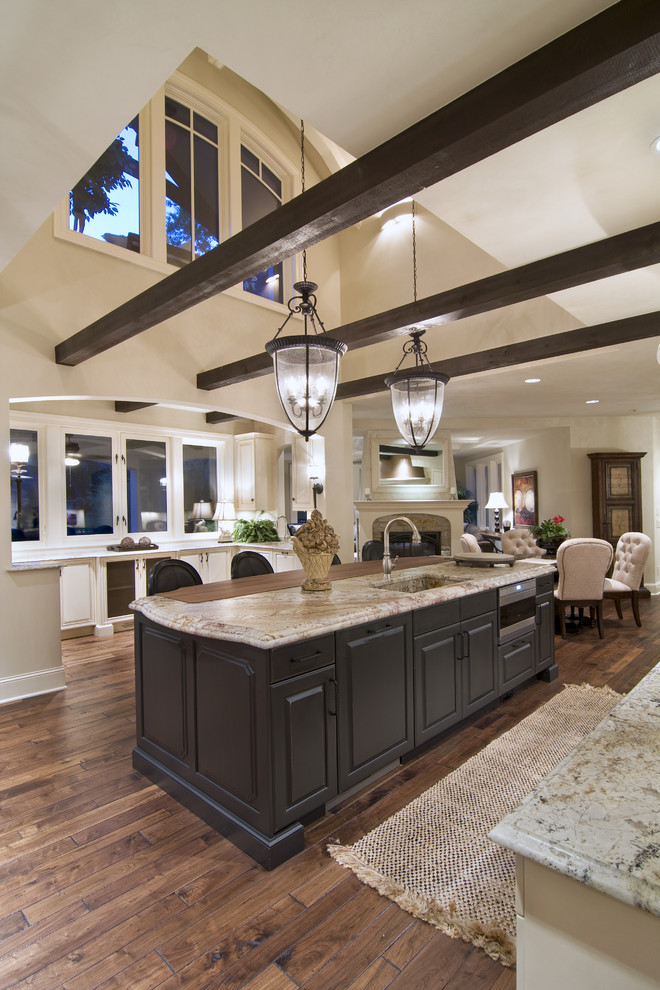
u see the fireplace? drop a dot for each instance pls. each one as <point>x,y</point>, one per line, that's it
<point>441,520</point>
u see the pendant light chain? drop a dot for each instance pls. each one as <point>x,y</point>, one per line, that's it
<point>414,247</point>
<point>302,185</point>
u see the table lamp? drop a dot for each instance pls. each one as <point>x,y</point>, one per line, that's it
<point>497,502</point>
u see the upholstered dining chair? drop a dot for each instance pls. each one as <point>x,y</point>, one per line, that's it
<point>632,550</point>
<point>582,564</point>
<point>469,543</point>
<point>520,544</point>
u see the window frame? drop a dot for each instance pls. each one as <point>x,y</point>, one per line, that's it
<point>234,130</point>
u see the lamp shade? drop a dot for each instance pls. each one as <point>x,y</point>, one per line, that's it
<point>224,510</point>
<point>496,500</point>
<point>202,510</point>
<point>19,453</point>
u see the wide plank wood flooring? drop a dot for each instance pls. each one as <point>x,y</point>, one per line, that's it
<point>105,881</point>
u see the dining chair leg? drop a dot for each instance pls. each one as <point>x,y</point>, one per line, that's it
<point>561,609</point>
<point>599,617</point>
<point>617,605</point>
<point>634,599</point>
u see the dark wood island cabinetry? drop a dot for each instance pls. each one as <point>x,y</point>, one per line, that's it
<point>257,740</point>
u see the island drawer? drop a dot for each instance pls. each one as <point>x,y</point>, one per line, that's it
<point>545,584</point>
<point>435,617</point>
<point>298,658</point>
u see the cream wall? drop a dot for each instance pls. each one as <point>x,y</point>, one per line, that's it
<point>53,288</point>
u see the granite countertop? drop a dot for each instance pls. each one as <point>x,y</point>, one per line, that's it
<point>596,817</point>
<point>286,615</point>
<point>54,557</point>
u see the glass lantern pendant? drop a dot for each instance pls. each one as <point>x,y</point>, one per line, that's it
<point>417,394</point>
<point>306,365</point>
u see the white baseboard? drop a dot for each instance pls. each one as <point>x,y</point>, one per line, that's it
<point>29,685</point>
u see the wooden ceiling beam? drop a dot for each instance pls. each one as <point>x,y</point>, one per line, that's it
<point>525,351</point>
<point>608,53</point>
<point>121,406</point>
<point>220,417</point>
<point>624,252</point>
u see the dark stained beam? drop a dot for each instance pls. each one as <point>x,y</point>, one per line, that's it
<point>220,417</point>
<point>625,252</point>
<point>555,345</point>
<point>129,407</point>
<point>610,52</point>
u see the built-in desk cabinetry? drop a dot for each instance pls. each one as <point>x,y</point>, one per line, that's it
<point>212,565</point>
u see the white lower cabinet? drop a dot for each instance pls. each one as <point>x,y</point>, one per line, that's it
<point>285,561</point>
<point>212,565</point>
<point>77,594</point>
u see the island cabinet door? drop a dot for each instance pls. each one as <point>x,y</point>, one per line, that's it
<point>437,686</point>
<point>545,631</point>
<point>232,729</point>
<point>479,666</point>
<point>304,720</point>
<point>374,697</point>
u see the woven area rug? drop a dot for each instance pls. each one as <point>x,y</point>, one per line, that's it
<point>434,857</point>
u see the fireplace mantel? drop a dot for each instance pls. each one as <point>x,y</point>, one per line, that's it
<point>451,509</point>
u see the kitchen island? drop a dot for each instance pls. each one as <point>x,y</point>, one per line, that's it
<point>258,704</point>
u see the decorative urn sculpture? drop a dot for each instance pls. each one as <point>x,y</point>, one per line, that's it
<point>315,544</point>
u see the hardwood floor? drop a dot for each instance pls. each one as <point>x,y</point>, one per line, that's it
<point>105,881</point>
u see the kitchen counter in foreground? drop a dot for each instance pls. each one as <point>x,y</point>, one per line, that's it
<point>588,846</point>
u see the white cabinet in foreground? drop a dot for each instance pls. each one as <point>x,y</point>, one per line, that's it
<point>77,594</point>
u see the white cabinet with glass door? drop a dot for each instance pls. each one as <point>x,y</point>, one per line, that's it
<point>122,579</point>
<point>254,470</point>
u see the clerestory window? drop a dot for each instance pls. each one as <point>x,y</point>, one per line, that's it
<point>261,192</point>
<point>105,203</point>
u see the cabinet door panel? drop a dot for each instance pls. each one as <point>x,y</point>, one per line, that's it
<point>77,594</point>
<point>517,661</point>
<point>374,679</point>
<point>304,744</point>
<point>479,668</point>
<point>230,725</point>
<point>545,631</point>
<point>162,694</point>
<point>437,688</point>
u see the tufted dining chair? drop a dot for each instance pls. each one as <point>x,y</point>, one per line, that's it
<point>630,556</point>
<point>469,543</point>
<point>582,564</point>
<point>520,543</point>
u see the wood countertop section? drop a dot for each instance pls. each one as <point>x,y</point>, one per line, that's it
<point>271,610</point>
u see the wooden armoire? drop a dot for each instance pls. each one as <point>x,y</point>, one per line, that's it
<point>616,494</point>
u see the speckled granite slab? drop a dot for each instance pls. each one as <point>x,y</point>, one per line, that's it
<point>283,616</point>
<point>596,817</point>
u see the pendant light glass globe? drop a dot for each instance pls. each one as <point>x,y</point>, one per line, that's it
<point>306,366</point>
<point>418,395</point>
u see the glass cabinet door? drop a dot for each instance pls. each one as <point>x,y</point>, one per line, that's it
<point>146,485</point>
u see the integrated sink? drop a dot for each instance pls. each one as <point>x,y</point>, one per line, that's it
<point>412,584</point>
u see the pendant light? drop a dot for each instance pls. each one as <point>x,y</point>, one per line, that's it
<point>306,365</point>
<point>417,392</point>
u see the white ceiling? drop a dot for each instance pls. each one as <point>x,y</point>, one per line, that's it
<point>72,73</point>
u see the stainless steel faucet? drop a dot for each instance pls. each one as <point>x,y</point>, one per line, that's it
<point>277,526</point>
<point>388,563</point>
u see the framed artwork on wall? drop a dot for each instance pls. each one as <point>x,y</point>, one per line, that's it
<point>525,500</point>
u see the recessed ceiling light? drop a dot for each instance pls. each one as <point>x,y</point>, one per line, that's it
<point>655,145</point>
<point>592,402</point>
<point>531,381</point>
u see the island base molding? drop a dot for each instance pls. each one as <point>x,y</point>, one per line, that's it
<point>268,852</point>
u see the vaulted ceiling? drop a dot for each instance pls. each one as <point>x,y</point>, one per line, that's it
<point>361,74</point>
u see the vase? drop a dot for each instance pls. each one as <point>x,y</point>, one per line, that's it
<point>550,543</point>
<point>316,567</point>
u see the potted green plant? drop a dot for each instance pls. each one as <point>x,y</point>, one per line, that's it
<point>261,529</point>
<point>551,533</point>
